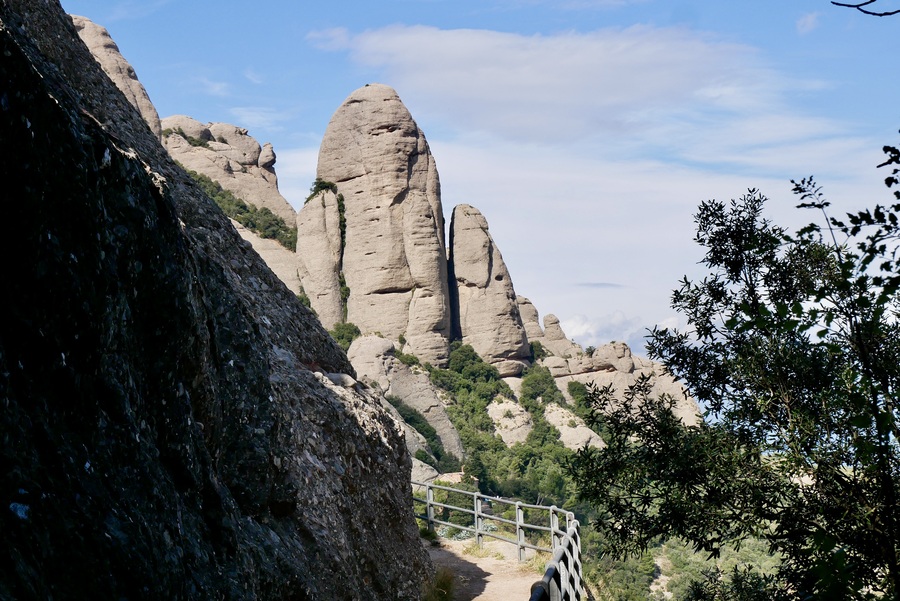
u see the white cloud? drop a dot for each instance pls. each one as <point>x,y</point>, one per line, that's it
<point>567,86</point>
<point>808,23</point>
<point>296,168</point>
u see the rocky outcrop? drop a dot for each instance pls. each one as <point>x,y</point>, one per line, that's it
<point>280,260</point>
<point>106,52</point>
<point>485,313</point>
<point>528,313</point>
<point>374,360</point>
<point>319,256</point>
<point>230,156</point>
<point>176,425</point>
<point>511,420</point>
<point>394,257</point>
<point>573,432</point>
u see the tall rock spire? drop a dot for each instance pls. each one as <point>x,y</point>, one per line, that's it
<point>106,53</point>
<point>485,313</point>
<point>393,260</point>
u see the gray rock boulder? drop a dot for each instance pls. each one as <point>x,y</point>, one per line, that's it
<point>512,422</point>
<point>573,432</point>
<point>394,258</point>
<point>555,340</point>
<point>106,52</point>
<point>485,313</point>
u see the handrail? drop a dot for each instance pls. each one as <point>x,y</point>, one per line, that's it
<point>480,518</point>
<point>562,579</point>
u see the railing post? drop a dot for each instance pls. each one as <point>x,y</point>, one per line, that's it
<point>429,506</point>
<point>479,521</point>
<point>554,528</point>
<point>520,530</point>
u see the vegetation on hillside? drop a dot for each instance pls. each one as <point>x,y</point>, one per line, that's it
<point>262,222</point>
<point>440,459</point>
<point>794,351</point>
<point>344,334</point>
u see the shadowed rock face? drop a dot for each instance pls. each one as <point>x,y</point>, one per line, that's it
<point>169,430</point>
<point>394,258</point>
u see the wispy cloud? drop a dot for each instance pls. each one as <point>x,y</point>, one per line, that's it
<point>212,87</point>
<point>253,77</point>
<point>258,117</point>
<point>808,23</point>
<point>568,86</point>
<point>671,93</point>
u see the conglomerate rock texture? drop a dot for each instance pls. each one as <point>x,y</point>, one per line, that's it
<point>393,258</point>
<point>176,425</point>
<point>105,50</point>
<point>485,313</point>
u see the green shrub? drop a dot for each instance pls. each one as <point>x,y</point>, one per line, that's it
<point>263,222</point>
<point>344,334</point>
<point>406,358</point>
<point>190,139</point>
<point>538,351</point>
<point>443,461</point>
<point>318,186</point>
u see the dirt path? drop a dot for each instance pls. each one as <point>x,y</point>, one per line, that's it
<point>493,574</point>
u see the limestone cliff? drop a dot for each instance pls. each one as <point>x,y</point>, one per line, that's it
<point>485,313</point>
<point>393,259</point>
<point>171,426</point>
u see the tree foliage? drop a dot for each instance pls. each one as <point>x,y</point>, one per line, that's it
<point>793,350</point>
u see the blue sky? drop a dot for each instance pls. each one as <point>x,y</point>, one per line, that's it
<point>586,131</point>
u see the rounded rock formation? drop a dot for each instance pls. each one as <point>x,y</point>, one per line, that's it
<point>394,259</point>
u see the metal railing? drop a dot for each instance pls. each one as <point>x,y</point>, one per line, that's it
<point>562,580</point>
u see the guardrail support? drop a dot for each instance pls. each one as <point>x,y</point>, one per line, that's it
<point>479,522</point>
<point>429,507</point>
<point>554,528</point>
<point>520,530</point>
